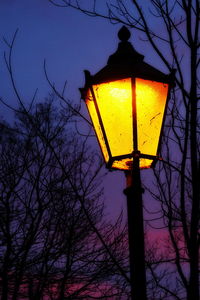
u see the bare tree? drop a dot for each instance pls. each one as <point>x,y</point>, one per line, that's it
<point>175,40</point>
<point>55,241</point>
<point>50,205</point>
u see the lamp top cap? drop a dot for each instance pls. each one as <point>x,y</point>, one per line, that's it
<point>124,34</point>
<point>126,62</point>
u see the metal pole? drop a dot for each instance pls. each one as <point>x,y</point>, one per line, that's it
<point>136,231</point>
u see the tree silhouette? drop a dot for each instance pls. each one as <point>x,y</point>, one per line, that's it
<point>56,242</point>
<point>50,212</point>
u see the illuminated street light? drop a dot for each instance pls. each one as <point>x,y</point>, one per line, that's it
<point>126,101</point>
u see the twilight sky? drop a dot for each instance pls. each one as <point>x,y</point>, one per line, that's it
<point>70,42</point>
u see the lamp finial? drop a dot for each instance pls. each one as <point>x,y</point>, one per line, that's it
<point>124,34</point>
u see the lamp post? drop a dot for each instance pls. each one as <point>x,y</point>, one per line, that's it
<point>126,101</point>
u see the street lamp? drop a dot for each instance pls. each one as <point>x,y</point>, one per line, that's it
<point>126,101</point>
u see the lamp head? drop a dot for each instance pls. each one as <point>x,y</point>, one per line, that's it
<point>126,101</point>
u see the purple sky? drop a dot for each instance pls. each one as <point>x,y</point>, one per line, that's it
<point>70,42</point>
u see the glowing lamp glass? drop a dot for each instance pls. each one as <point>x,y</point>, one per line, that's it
<point>127,116</point>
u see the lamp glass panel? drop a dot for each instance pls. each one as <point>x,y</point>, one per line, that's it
<point>114,100</point>
<point>126,164</point>
<point>151,98</point>
<point>123,164</point>
<point>93,114</point>
<point>145,163</point>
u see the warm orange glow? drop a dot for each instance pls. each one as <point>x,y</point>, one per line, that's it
<point>112,114</point>
<point>114,100</point>
<point>95,121</point>
<point>125,164</point>
<point>150,104</point>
